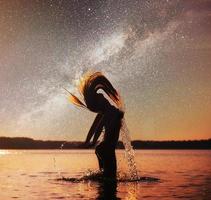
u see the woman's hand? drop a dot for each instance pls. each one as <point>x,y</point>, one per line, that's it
<point>88,144</point>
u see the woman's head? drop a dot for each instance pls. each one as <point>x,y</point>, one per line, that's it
<point>88,87</point>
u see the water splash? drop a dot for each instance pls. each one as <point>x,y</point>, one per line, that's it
<point>58,170</point>
<point>129,152</point>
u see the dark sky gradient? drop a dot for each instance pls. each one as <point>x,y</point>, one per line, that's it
<point>157,53</point>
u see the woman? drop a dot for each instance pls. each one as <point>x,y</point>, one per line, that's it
<point>108,117</point>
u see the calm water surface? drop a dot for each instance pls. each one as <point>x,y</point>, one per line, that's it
<point>184,174</point>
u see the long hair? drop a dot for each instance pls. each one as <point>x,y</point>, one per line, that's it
<point>88,87</point>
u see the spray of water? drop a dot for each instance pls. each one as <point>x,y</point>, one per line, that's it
<point>129,151</point>
<point>55,161</point>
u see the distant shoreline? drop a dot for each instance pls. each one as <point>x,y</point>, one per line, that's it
<point>29,143</point>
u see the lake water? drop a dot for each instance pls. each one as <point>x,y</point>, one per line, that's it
<point>183,174</point>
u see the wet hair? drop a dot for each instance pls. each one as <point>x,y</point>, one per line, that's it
<point>89,84</point>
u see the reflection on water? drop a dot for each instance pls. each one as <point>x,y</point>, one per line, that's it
<point>4,152</point>
<point>182,174</point>
<point>107,190</point>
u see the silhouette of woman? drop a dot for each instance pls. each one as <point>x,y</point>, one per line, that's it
<point>108,118</point>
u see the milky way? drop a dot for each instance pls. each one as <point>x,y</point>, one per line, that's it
<point>156,53</point>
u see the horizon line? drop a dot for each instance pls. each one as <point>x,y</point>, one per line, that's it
<point>23,137</point>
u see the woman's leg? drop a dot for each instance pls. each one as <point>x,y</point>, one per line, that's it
<point>98,152</point>
<point>110,166</point>
<point>106,159</point>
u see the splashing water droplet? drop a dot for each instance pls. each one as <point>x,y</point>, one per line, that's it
<point>129,152</point>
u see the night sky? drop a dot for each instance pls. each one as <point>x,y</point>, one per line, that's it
<point>156,53</point>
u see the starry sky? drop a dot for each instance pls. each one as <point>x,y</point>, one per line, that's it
<point>157,53</point>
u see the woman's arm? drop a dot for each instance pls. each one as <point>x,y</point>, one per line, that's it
<point>95,127</point>
<point>98,130</point>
